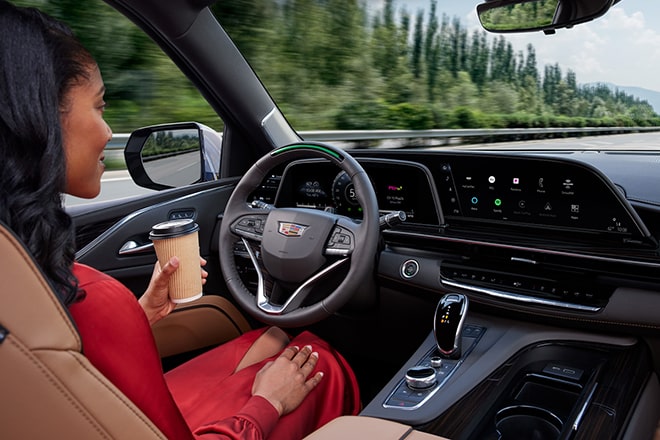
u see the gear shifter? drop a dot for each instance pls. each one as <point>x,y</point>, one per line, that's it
<point>448,324</point>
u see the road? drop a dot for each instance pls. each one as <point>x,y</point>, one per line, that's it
<point>649,141</point>
<point>118,184</point>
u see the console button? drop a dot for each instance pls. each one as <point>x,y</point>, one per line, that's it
<point>564,371</point>
<point>420,377</point>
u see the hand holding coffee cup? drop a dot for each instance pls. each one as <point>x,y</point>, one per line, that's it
<point>180,238</point>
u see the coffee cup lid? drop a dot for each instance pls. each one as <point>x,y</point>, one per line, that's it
<point>173,228</point>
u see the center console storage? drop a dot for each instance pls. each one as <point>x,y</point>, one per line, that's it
<point>525,381</point>
<point>545,394</point>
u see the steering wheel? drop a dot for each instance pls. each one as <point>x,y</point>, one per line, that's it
<point>296,249</point>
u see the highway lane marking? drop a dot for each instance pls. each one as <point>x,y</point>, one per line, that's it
<point>115,179</point>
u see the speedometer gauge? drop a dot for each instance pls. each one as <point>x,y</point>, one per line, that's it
<point>343,194</point>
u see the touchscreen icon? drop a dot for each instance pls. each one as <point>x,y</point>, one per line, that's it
<point>516,181</point>
<point>491,179</point>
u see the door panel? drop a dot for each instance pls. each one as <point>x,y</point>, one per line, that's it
<point>130,223</point>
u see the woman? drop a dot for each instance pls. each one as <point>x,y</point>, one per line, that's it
<point>52,138</point>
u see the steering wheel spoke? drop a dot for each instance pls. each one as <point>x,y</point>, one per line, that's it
<point>296,299</point>
<point>267,285</point>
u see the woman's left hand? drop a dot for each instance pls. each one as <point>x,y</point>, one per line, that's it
<point>156,301</point>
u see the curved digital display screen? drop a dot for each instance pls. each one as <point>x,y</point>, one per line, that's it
<point>399,186</point>
<point>536,192</point>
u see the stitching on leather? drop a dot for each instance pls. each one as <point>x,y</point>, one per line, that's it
<point>58,307</point>
<point>122,398</point>
<point>406,434</point>
<point>50,377</point>
<point>31,266</point>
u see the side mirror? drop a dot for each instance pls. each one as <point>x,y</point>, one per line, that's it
<point>173,155</point>
<point>538,15</point>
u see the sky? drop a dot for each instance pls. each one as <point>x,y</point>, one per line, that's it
<point>622,47</point>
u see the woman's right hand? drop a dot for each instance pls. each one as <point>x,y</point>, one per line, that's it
<point>284,382</point>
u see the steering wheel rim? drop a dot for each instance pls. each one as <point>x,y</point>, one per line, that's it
<point>363,235</point>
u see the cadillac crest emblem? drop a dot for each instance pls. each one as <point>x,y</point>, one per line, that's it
<point>291,229</point>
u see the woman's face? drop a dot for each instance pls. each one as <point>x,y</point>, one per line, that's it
<point>85,135</point>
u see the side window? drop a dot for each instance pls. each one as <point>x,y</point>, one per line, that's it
<point>139,80</point>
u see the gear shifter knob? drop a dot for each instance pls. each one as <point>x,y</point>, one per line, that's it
<point>448,324</point>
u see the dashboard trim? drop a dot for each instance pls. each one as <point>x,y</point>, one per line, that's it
<point>521,298</point>
<point>560,253</point>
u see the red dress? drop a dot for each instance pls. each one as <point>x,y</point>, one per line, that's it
<point>202,398</point>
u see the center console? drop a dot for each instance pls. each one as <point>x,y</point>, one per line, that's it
<point>517,380</point>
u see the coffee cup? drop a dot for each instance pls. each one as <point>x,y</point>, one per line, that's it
<point>180,238</point>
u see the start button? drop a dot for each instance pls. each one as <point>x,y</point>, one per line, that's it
<point>409,269</point>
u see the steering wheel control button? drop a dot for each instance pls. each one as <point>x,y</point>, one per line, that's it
<point>340,243</point>
<point>409,269</point>
<point>249,227</point>
<point>421,377</point>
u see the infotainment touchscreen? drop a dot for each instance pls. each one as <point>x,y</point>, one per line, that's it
<point>535,192</point>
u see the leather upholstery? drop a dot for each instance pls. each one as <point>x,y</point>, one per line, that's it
<point>359,428</point>
<point>208,321</point>
<point>49,389</point>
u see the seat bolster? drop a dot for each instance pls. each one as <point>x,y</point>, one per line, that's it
<point>66,396</point>
<point>359,428</point>
<point>26,303</point>
<point>48,388</point>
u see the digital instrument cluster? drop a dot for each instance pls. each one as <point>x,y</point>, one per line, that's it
<point>399,186</point>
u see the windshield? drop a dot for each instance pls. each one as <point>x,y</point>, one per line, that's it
<point>426,64</point>
<point>383,65</point>
<point>392,64</point>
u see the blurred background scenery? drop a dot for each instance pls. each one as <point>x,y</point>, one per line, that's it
<point>349,64</point>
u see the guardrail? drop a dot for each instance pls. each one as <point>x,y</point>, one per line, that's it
<point>419,137</point>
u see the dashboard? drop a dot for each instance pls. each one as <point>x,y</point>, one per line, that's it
<point>542,232</point>
<point>516,194</point>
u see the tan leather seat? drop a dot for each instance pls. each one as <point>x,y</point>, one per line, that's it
<point>360,428</point>
<point>49,389</point>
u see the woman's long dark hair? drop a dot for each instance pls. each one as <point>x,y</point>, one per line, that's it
<point>40,60</point>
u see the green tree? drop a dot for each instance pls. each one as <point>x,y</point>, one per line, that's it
<point>418,45</point>
<point>478,60</point>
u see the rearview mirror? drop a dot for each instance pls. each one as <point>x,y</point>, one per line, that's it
<point>539,15</point>
<point>173,155</point>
